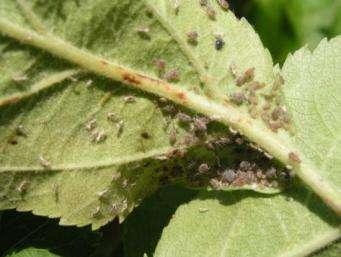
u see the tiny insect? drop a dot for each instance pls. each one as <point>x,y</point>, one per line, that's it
<point>143,31</point>
<point>211,13</point>
<point>43,162</point>
<point>129,99</point>
<point>271,173</point>
<point>23,186</point>
<point>294,157</point>
<point>238,98</point>
<point>160,64</point>
<point>224,4</point>
<point>172,136</point>
<point>182,117</point>
<point>219,43</point>
<point>203,168</point>
<point>203,2</point>
<point>98,136</point>
<point>215,183</point>
<point>192,37</point>
<point>91,125</point>
<point>228,176</point>
<point>172,75</point>
<point>233,70</point>
<point>112,117</point>
<point>21,131</point>
<point>239,141</point>
<point>120,126</point>
<point>19,77</point>
<point>88,83</point>
<point>200,123</point>
<point>96,212</point>
<point>176,7</point>
<point>246,77</point>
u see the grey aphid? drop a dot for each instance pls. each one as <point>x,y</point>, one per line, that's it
<point>228,176</point>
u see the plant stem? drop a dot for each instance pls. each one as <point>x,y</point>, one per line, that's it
<point>237,120</point>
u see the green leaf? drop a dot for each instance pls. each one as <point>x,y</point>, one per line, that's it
<point>330,251</point>
<point>249,224</point>
<point>32,252</point>
<point>312,93</point>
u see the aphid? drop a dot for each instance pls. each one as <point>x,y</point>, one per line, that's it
<point>238,98</point>
<point>23,186</point>
<point>203,210</point>
<point>163,100</point>
<point>112,117</point>
<point>98,136</point>
<point>203,168</point>
<point>253,112</point>
<point>252,99</point>
<point>192,37</point>
<point>19,77</point>
<point>294,157</point>
<point>176,6</point>
<point>266,106</point>
<point>271,173</point>
<point>88,83</point>
<point>91,125</point>
<point>145,135</point>
<point>228,176</point>
<point>73,79</point>
<point>255,85</point>
<point>233,69</point>
<point>215,183</point>
<point>182,117</point>
<point>160,64</point>
<point>219,43</point>
<point>143,32</point>
<point>203,2</point>
<point>239,141</point>
<point>211,13</point>
<point>172,136</point>
<point>21,131</point>
<point>96,212</point>
<point>246,77</point>
<point>120,126</point>
<point>172,75</point>
<point>224,4</point>
<point>171,109</point>
<point>244,165</point>
<point>200,123</point>
<point>43,162</point>
<point>129,99</point>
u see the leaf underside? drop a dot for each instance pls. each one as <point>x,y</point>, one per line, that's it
<point>90,181</point>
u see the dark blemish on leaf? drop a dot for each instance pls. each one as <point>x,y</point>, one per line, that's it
<point>145,135</point>
<point>131,79</point>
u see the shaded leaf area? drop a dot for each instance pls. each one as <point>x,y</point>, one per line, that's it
<point>293,23</point>
<point>330,251</point>
<point>247,224</point>
<point>23,234</point>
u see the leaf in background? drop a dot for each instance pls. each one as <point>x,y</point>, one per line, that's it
<point>249,224</point>
<point>312,92</point>
<point>32,252</point>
